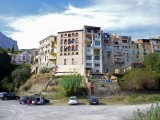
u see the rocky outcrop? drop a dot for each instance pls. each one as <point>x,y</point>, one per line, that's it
<point>6,42</point>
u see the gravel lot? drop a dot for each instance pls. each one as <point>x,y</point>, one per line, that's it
<point>12,110</point>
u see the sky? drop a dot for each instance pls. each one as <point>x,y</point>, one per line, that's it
<point>30,21</point>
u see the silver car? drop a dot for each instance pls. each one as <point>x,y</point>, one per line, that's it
<point>73,100</point>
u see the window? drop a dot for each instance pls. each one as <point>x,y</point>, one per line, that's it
<point>72,61</point>
<point>88,50</point>
<point>127,60</point>
<point>61,49</point>
<point>97,43</point>
<point>88,57</point>
<point>76,49</point>
<point>61,35</point>
<point>76,40</point>
<point>97,58</point>
<point>24,58</point>
<point>97,65</point>
<point>76,34</point>
<point>69,35</point>
<point>108,55</point>
<point>64,61</point>
<point>61,42</point>
<point>65,41</point>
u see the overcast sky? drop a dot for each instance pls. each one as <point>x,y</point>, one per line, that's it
<point>29,21</point>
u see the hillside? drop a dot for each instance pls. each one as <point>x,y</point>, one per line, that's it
<point>42,83</point>
<point>6,42</point>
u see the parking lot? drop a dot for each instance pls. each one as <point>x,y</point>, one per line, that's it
<point>12,110</point>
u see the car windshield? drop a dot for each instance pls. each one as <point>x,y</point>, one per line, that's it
<point>23,97</point>
<point>73,98</point>
<point>93,97</point>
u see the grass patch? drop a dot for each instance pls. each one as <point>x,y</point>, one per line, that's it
<point>152,114</point>
<point>131,99</point>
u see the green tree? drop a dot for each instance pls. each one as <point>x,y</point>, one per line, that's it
<point>70,84</point>
<point>7,83</point>
<point>152,62</point>
<point>137,79</point>
<point>20,75</point>
<point>5,65</point>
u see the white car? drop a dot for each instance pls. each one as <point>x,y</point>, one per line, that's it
<point>73,100</point>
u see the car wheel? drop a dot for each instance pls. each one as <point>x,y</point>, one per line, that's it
<point>5,98</point>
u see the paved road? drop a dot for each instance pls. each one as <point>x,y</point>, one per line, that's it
<point>12,110</point>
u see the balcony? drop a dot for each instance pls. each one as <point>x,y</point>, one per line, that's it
<point>118,56</point>
<point>53,54</point>
<point>119,62</point>
<point>88,65</point>
<point>52,57</point>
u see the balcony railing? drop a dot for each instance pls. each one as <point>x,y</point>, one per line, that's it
<point>119,62</point>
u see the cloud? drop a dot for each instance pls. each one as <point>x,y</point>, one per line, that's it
<point>110,15</point>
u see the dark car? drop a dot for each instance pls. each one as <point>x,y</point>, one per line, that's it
<point>93,100</point>
<point>1,94</point>
<point>23,99</point>
<point>39,100</point>
<point>9,96</point>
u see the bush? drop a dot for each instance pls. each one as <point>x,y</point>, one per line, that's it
<point>152,114</point>
<point>44,70</point>
<point>140,80</point>
<point>70,84</point>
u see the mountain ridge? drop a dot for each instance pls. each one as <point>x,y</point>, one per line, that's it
<point>7,42</point>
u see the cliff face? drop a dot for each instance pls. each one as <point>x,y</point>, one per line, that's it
<point>6,42</point>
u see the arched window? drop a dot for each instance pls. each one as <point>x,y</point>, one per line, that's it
<point>65,35</point>
<point>72,47</point>
<point>61,42</point>
<point>69,35</point>
<point>65,48</point>
<point>76,49</point>
<point>65,41</point>
<point>76,34</point>
<point>76,53</point>
<point>69,48</point>
<point>61,49</point>
<point>73,35</point>
<point>69,41</point>
<point>73,41</point>
<point>69,53</point>
<point>72,53</point>
<point>61,54</point>
<point>76,40</point>
<point>61,35</point>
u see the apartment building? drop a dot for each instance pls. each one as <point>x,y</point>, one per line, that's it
<point>79,51</point>
<point>116,52</point>
<point>21,58</point>
<point>155,44</point>
<point>47,52</point>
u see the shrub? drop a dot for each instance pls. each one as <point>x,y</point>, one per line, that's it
<point>70,84</point>
<point>140,80</point>
<point>152,114</point>
<point>44,70</point>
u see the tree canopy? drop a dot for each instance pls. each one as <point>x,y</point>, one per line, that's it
<point>152,61</point>
<point>70,84</point>
<point>5,65</point>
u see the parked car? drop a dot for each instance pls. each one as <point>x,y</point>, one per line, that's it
<point>39,100</point>
<point>93,100</point>
<point>1,94</point>
<point>23,99</point>
<point>73,100</point>
<point>9,96</point>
